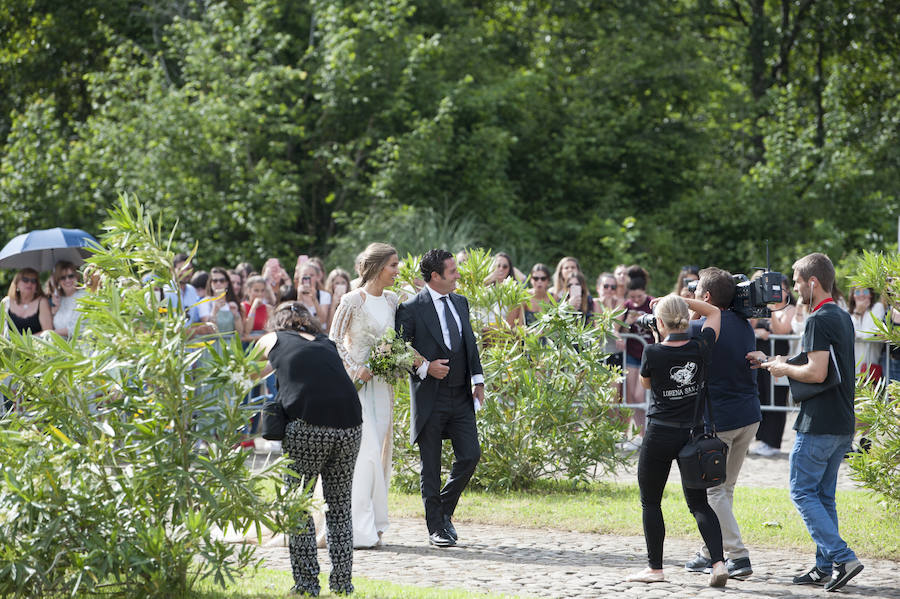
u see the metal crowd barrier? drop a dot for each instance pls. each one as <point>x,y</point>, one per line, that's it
<point>624,404</point>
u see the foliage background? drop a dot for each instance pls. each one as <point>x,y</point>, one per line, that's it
<point>668,133</point>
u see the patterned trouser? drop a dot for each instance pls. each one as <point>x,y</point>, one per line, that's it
<point>330,452</point>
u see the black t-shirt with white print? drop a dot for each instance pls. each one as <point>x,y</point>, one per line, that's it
<point>675,375</point>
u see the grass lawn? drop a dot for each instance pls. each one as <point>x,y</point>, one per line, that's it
<point>268,584</point>
<point>766,516</point>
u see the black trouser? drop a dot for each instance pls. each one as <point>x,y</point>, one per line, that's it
<point>453,418</point>
<point>661,445</point>
<point>771,427</point>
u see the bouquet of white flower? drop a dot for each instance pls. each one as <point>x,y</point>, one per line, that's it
<point>391,358</point>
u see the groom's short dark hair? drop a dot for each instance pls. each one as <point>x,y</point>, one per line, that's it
<point>433,261</point>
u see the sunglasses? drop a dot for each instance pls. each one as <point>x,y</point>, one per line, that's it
<point>608,286</point>
<point>31,280</point>
<point>534,278</point>
<point>861,292</point>
<point>68,277</point>
<point>218,280</point>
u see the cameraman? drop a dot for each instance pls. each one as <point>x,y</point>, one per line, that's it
<point>734,398</point>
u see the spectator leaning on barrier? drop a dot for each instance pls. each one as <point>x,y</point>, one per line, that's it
<point>735,405</point>
<point>825,425</point>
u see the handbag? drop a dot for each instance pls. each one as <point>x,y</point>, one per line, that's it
<point>803,391</point>
<point>273,421</point>
<point>703,458</point>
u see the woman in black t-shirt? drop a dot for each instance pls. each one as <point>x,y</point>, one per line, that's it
<point>322,437</point>
<point>674,370</point>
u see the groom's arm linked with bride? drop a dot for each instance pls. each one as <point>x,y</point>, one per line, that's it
<point>444,389</point>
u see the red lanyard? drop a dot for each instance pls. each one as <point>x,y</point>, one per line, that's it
<point>823,302</point>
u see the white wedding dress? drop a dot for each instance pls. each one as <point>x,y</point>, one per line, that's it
<point>359,321</point>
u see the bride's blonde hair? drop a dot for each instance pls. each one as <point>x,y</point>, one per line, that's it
<point>375,257</point>
<point>673,311</point>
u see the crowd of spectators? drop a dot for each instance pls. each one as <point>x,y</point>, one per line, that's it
<point>224,301</point>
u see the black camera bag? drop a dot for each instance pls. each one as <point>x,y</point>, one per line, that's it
<point>273,421</point>
<point>703,459</point>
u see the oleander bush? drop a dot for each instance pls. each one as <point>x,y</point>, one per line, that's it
<point>120,472</point>
<point>549,393</point>
<point>878,406</point>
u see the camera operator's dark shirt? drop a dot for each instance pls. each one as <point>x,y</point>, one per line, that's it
<point>831,411</point>
<point>732,383</point>
<point>676,375</point>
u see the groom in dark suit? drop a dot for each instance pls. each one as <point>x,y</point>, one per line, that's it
<point>443,390</point>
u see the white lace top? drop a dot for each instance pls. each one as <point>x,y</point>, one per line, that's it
<point>359,321</point>
<point>67,316</point>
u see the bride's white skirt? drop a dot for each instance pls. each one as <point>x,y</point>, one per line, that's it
<point>372,474</point>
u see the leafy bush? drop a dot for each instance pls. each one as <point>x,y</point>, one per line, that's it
<point>548,391</point>
<point>878,406</point>
<point>110,492</point>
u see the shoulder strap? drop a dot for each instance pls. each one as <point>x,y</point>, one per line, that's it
<point>703,398</point>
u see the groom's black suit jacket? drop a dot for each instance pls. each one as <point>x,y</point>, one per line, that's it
<point>417,320</point>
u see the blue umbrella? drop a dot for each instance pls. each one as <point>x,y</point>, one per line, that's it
<point>42,249</point>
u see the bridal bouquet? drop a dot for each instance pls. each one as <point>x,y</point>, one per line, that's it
<point>391,358</point>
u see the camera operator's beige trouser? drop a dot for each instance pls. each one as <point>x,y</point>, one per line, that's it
<point>721,498</point>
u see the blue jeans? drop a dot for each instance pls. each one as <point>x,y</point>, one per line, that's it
<point>814,463</point>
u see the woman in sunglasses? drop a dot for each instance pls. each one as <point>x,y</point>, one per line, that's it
<point>608,301</point>
<point>26,305</point>
<point>540,283</point>
<point>864,310</point>
<point>63,291</point>
<point>223,311</point>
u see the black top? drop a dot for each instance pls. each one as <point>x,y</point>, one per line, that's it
<point>732,383</point>
<point>29,324</point>
<point>312,383</point>
<point>830,412</point>
<point>676,377</point>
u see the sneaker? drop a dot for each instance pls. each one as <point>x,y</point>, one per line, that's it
<point>739,568</point>
<point>765,450</point>
<point>699,564</point>
<point>842,574</point>
<point>718,575</point>
<point>814,576</point>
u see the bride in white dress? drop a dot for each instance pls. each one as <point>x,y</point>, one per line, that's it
<point>362,317</point>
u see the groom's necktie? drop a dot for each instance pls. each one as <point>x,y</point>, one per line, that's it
<point>452,328</point>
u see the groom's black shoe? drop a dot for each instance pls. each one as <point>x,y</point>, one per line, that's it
<point>451,530</point>
<point>440,538</point>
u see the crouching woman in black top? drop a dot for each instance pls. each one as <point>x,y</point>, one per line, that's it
<point>322,437</point>
<point>673,369</point>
